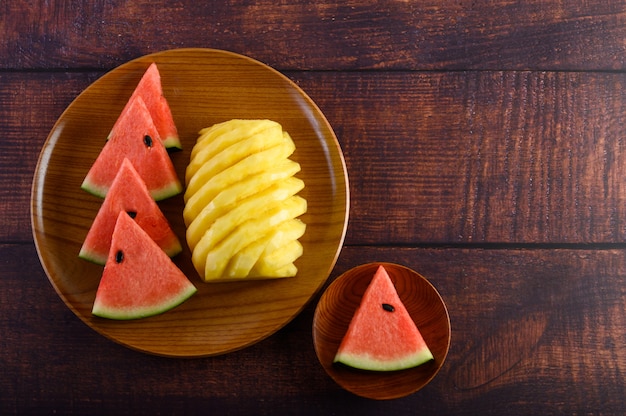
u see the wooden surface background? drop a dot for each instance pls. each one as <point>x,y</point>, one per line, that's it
<point>485,145</point>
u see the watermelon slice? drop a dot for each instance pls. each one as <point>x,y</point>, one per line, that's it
<point>381,335</point>
<point>137,139</point>
<point>150,90</point>
<point>139,280</point>
<point>128,193</point>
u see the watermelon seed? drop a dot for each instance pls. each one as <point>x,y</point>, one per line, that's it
<point>147,140</point>
<point>388,307</point>
<point>132,214</point>
<point>119,256</point>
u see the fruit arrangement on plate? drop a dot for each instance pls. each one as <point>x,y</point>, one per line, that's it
<point>130,235</point>
<point>204,88</point>
<point>258,206</point>
<point>241,206</point>
<point>242,222</point>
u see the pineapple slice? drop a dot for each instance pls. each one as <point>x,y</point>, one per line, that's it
<point>227,154</point>
<point>209,182</point>
<point>218,257</point>
<point>278,259</point>
<point>245,260</point>
<point>274,181</point>
<point>222,215</point>
<point>219,136</point>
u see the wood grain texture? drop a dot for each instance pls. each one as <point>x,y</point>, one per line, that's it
<point>494,157</point>
<point>424,34</point>
<point>485,143</point>
<point>491,157</point>
<point>567,304</point>
<point>526,324</point>
<point>29,106</point>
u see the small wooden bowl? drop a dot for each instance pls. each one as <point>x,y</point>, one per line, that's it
<point>334,313</point>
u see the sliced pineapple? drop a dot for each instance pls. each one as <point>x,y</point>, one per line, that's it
<point>253,191</point>
<point>288,270</point>
<point>279,258</point>
<point>211,260</point>
<point>244,261</point>
<point>221,135</point>
<point>208,164</point>
<point>222,215</point>
<point>241,203</point>
<point>209,182</point>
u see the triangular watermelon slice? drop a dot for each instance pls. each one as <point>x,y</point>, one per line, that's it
<point>150,90</point>
<point>137,139</point>
<point>128,193</point>
<point>139,279</point>
<point>381,335</point>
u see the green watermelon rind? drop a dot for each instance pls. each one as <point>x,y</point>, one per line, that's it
<point>366,362</point>
<point>143,312</point>
<point>172,142</point>
<point>93,257</point>
<point>159,194</point>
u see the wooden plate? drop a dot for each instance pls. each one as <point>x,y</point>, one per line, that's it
<point>203,87</point>
<point>334,313</point>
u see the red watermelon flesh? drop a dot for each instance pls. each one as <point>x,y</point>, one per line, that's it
<point>382,336</point>
<point>139,280</point>
<point>150,90</point>
<point>128,193</point>
<point>137,139</point>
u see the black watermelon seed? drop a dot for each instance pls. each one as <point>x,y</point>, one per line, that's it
<point>388,307</point>
<point>119,256</point>
<point>147,140</point>
<point>132,214</point>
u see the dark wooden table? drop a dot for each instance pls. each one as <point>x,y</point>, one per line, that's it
<point>485,143</point>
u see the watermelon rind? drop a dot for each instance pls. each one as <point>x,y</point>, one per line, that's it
<point>103,311</point>
<point>166,191</point>
<point>172,142</point>
<point>367,362</point>
<point>91,256</point>
<point>159,194</point>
